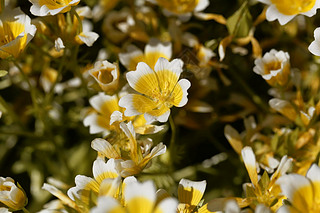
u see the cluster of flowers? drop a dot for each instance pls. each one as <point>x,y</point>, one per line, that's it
<point>127,110</point>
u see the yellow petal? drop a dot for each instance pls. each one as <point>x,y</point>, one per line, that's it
<point>191,192</point>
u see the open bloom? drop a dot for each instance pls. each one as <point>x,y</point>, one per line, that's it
<point>314,47</point>
<point>285,10</point>
<point>51,7</point>
<point>16,31</point>
<point>107,114</point>
<point>190,194</point>
<point>302,192</point>
<point>152,52</point>
<point>11,195</point>
<point>182,8</point>
<point>138,198</point>
<point>104,174</point>
<point>159,90</point>
<point>274,67</point>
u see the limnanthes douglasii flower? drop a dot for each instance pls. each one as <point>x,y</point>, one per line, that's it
<point>285,10</point>
<point>159,88</point>
<point>16,31</point>
<point>51,7</point>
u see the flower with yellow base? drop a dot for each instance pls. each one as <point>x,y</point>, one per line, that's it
<point>263,190</point>
<point>11,195</point>
<point>152,52</point>
<point>285,10</point>
<point>159,88</point>
<point>16,31</point>
<point>51,7</point>
<point>138,198</point>
<point>303,193</point>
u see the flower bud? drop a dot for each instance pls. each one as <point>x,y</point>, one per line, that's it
<point>11,195</point>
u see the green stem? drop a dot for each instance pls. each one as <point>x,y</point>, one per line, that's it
<point>31,88</point>
<point>60,69</point>
<point>74,12</point>
<point>9,110</point>
<point>172,141</point>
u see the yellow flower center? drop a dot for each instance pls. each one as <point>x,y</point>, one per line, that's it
<point>178,6</point>
<point>164,97</point>
<point>5,188</point>
<point>274,65</point>
<point>293,7</point>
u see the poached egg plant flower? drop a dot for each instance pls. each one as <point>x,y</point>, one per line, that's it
<point>158,90</point>
<point>51,7</point>
<point>285,10</point>
<point>16,31</point>
<point>302,192</point>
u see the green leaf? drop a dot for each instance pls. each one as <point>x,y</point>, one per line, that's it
<point>3,73</point>
<point>264,181</point>
<point>240,23</point>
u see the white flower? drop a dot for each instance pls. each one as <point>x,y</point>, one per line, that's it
<point>51,7</point>
<point>274,67</point>
<point>285,10</point>
<point>314,47</point>
<point>58,44</point>
<point>16,32</point>
<point>11,195</point>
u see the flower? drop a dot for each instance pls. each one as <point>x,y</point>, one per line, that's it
<point>138,198</point>
<point>190,194</point>
<point>159,90</point>
<point>107,114</point>
<point>285,10</point>
<point>11,195</point>
<point>16,31</point>
<point>140,152</point>
<point>182,8</point>
<point>302,192</point>
<point>263,190</point>
<point>51,7</point>
<point>314,47</point>
<point>104,174</point>
<point>274,67</point>
<point>106,74</point>
<point>152,52</point>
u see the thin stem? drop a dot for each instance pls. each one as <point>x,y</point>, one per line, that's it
<point>9,110</point>
<point>60,69</point>
<point>31,88</point>
<point>172,141</point>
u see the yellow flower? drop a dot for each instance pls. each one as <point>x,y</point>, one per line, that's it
<point>11,195</point>
<point>107,114</point>
<point>285,10</point>
<point>159,90</point>
<point>106,175</point>
<point>190,194</point>
<point>140,153</point>
<point>302,192</point>
<point>263,190</point>
<point>106,74</point>
<point>152,52</point>
<point>182,8</point>
<point>138,198</point>
<point>16,31</point>
<point>51,7</point>
<point>274,67</point>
